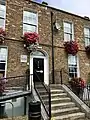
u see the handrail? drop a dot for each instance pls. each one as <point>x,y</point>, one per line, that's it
<point>61,73</point>
<point>82,92</point>
<point>13,77</point>
<point>41,101</point>
<point>41,82</point>
<point>49,94</point>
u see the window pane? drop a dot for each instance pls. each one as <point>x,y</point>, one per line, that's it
<point>37,53</point>
<point>2,66</point>
<point>2,11</point>
<point>72,60</point>
<point>67,30</point>
<point>28,28</point>
<point>87,41</point>
<point>66,24</point>
<point>2,2</point>
<point>72,64</point>
<point>67,37</point>
<point>86,31</point>
<point>3,51</point>
<point>3,54</point>
<point>30,18</point>
<point>2,23</point>
<point>68,27</point>
<point>71,75</point>
<point>2,58</point>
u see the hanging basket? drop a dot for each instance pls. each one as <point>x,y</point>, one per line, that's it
<point>2,35</point>
<point>71,47</point>
<point>31,47</point>
<point>31,41</point>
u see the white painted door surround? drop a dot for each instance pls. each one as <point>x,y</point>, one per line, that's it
<point>44,55</point>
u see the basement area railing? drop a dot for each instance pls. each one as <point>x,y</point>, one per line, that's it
<point>16,83</point>
<point>13,88</point>
<point>44,94</point>
<point>83,92</point>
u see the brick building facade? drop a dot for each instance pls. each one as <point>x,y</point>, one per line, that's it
<point>72,27</point>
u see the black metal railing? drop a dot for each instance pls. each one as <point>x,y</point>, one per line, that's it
<point>82,92</point>
<point>61,76</point>
<point>17,82</point>
<point>15,87</point>
<point>44,94</point>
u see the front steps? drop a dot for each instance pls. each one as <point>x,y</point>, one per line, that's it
<point>62,107</point>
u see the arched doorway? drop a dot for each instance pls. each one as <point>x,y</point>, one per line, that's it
<point>39,66</point>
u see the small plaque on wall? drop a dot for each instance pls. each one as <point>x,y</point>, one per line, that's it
<point>24,58</point>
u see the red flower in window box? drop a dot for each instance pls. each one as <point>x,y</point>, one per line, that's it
<point>77,84</point>
<point>2,35</point>
<point>71,47</point>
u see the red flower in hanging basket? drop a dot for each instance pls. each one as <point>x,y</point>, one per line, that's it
<point>2,35</point>
<point>31,38</point>
<point>71,47</point>
<point>2,32</point>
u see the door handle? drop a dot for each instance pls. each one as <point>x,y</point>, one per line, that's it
<point>39,71</point>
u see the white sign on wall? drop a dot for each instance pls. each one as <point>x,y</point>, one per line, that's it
<point>24,58</point>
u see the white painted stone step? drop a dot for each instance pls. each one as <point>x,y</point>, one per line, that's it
<point>67,104</point>
<point>57,90</point>
<point>55,85</point>
<point>61,99</point>
<point>54,91</point>
<point>60,94</point>
<point>66,110</point>
<point>55,95</point>
<point>73,116</point>
<point>57,100</point>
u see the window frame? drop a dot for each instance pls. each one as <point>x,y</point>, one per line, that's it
<point>29,24</point>
<point>69,33</point>
<point>5,61</point>
<point>3,18</point>
<point>74,66</point>
<point>87,37</point>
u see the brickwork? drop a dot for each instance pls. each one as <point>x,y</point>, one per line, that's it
<point>14,30</point>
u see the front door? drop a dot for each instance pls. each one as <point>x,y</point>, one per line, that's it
<point>38,69</point>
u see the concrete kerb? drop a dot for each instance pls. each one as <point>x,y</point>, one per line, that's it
<point>84,108</point>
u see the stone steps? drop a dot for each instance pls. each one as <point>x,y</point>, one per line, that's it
<point>64,111</point>
<point>73,116</point>
<point>59,100</point>
<point>54,91</point>
<point>61,105</point>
